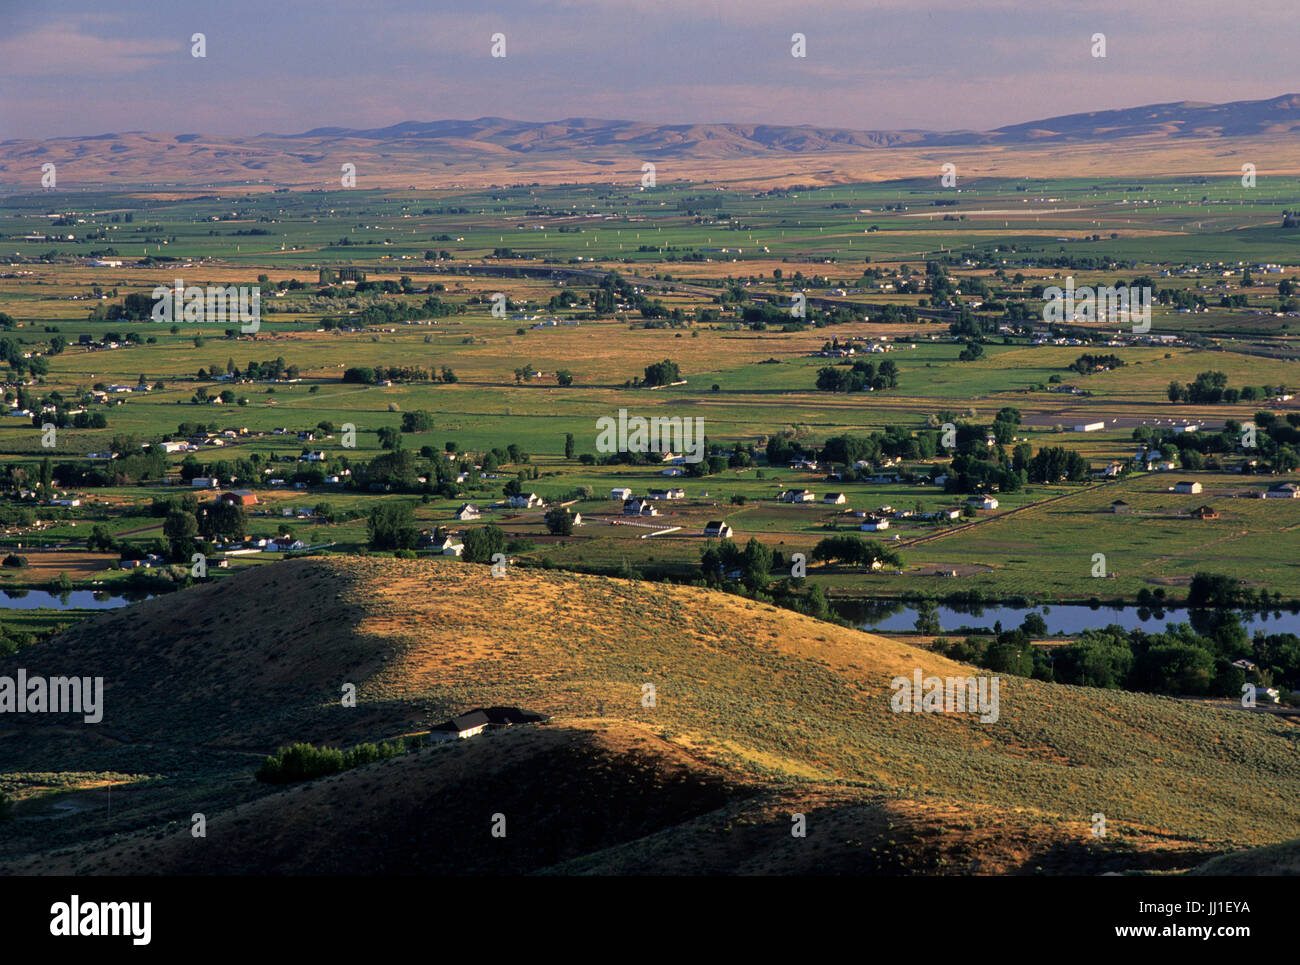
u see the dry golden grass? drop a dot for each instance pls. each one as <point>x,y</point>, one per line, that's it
<point>606,797</point>
<point>751,701</point>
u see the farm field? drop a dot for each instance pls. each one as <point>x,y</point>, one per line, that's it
<point>600,284</point>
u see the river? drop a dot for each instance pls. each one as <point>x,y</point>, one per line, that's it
<point>1068,619</point>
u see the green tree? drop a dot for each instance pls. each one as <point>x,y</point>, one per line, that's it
<point>180,529</point>
<point>1034,625</point>
<point>389,438</point>
<point>391,526</point>
<point>1175,668</point>
<point>927,618</point>
<point>1097,659</point>
<point>418,421</point>
<point>100,540</point>
<point>756,564</point>
<point>222,518</point>
<point>1010,653</point>
<point>818,606</point>
<point>482,543</point>
<point>662,373</point>
<point>559,521</point>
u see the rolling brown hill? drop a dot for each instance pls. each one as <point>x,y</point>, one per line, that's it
<point>1177,138</point>
<point>758,713</point>
<point>599,797</point>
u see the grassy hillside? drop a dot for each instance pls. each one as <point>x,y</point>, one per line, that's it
<point>759,713</point>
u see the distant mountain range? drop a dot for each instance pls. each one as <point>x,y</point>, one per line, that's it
<point>492,149</point>
<point>1279,115</point>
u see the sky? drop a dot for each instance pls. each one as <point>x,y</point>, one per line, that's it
<point>78,68</point>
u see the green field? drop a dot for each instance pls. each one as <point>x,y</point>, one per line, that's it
<point>686,301</point>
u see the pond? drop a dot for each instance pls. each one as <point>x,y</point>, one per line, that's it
<point>1069,619</point>
<point>12,598</point>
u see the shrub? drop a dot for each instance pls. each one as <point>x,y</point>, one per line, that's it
<point>417,421</point>
<point>300,762</point>
<point>305,762</point>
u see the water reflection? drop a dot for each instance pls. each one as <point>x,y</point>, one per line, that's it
<point>1067,619</point>
<point>22,599</point>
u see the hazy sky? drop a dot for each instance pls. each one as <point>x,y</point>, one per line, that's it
<point>77,68</point>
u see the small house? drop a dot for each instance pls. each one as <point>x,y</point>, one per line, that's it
<point>1283,491</point>
<point>667,494</point>
<point>466,725</point>
<point>1187,488</point>
<point>718,530</point>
